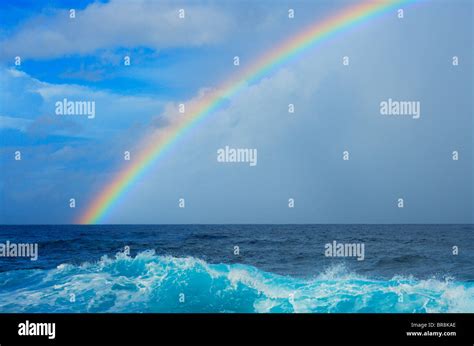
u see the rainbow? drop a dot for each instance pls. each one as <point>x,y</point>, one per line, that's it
<point>160,141</point>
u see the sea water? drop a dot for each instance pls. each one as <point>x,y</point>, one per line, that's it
<point>278,268</point>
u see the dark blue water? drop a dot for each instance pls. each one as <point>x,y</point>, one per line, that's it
<point>279,268</point>
<point>297,250</point>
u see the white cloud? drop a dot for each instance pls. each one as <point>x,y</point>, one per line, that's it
<point>14,123</point>
<point>29,101</point>
<point>115,24</point>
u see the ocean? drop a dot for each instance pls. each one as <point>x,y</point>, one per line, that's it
<point>239,268</point>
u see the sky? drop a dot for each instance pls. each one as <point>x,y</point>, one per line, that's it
<point>300,154</point>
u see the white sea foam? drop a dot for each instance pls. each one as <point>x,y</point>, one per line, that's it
<point>152,283</point>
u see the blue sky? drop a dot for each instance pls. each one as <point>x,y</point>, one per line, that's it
<point>299,155</point>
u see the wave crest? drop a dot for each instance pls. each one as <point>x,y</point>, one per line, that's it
<point>152,283</point>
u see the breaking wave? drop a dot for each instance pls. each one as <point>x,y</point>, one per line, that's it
<point>152,283</point>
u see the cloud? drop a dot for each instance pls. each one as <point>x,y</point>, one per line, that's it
<point>30,107</point>
<point>19,124</point>
<point>117,24</point>
<point>256,117</point>
<point>299,155</point>
<point>47,125</point>
<point>87,74</point>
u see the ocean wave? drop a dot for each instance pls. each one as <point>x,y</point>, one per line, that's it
<point>152,283</point>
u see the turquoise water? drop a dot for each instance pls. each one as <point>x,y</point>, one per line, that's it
<point>279,268</point>
<point>151,283</point>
